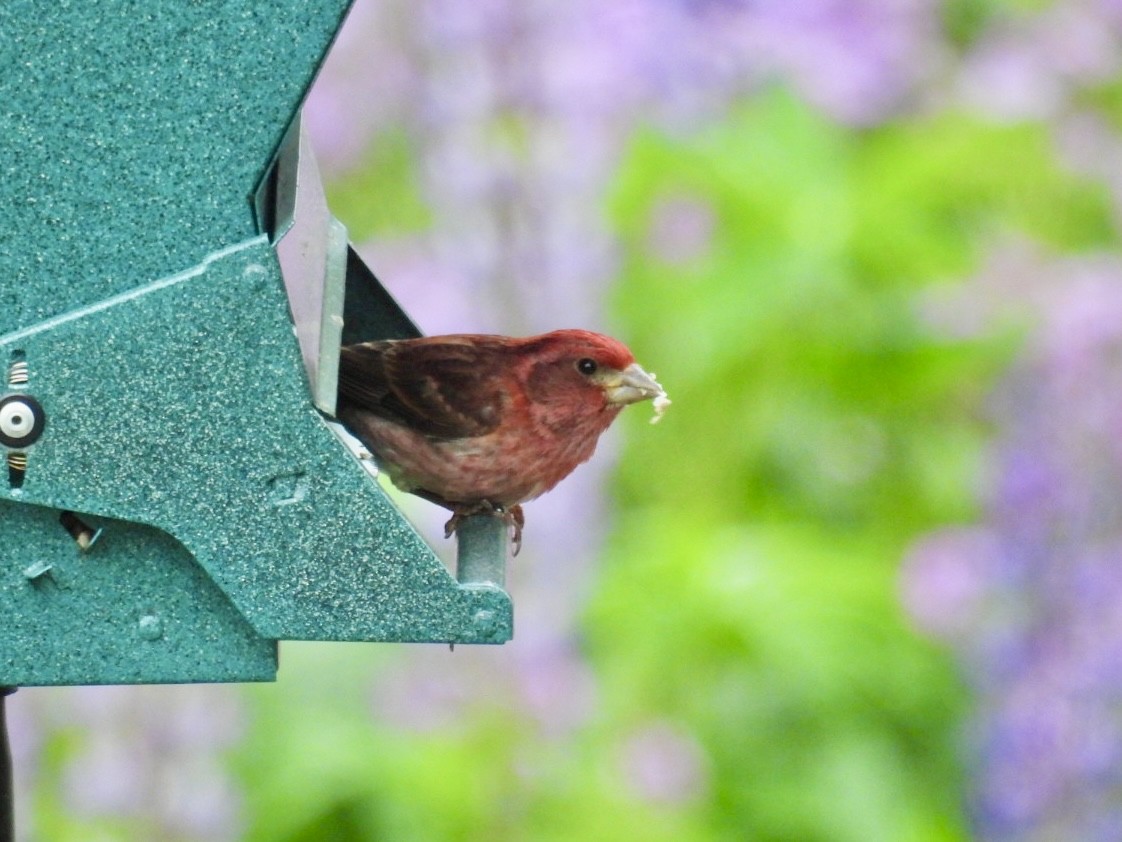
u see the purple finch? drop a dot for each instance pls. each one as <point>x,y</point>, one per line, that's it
<point>481,423</point>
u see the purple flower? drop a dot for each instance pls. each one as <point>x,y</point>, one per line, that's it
<point>681,230</point>
<point>662,765</point>
<point>1027,67</point>
<point>947,578</point>
<point>1032,599</point>
<point>154,754</point>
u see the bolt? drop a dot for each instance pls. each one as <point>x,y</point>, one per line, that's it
<point>18,373</point>
<point>484,622</point>
<point>83,534</point>
<point>16,419</point>
<point>151,627</point>
<point>21,421</point>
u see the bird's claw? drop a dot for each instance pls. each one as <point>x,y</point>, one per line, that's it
<point>515,520</point>
<point>512,517</point>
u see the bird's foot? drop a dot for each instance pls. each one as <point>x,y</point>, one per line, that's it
<point>515,520</point>
<point>513,517</point>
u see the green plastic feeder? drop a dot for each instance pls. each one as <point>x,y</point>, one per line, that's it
<point>173,294</point>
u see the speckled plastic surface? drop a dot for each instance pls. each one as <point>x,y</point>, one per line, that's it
<point>133,134</point>
<point>157,335</point>
<point>135,608</point>
<point>182,406</point>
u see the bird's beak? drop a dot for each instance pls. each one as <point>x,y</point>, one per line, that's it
<point>631,386</point>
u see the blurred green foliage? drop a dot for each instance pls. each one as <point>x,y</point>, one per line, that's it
<point>819,424</point>
<point>747,599</point>
<point>965,20</point>
<point>382,195</point>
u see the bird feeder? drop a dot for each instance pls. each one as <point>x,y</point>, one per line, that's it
<point>173,293</point>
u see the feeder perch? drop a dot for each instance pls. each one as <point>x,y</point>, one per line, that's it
<point>173,293</point>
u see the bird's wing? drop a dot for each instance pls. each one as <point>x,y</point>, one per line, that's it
<point>442,389</point>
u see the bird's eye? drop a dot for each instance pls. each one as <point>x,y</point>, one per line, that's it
<point>587,366</point>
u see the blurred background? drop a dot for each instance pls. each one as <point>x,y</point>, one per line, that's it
<point>863,582</point>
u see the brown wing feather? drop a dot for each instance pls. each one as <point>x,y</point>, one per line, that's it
<point>437,388</point>
<point>362,375</point>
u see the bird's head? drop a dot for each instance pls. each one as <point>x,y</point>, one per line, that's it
<point>588,370</point>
